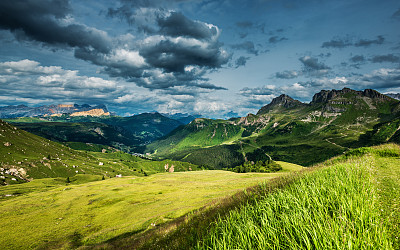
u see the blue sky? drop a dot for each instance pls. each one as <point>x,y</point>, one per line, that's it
<point>215,58</point>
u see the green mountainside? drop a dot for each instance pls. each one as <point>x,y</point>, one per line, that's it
<point>24,157</point>
<point>86,132</point>
<point>287,130</point>
<point>129,134</point>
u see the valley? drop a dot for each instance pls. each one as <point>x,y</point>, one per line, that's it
<point>145,181</point>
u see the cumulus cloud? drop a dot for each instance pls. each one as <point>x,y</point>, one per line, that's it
<point>381,79</point>
<point>52,83</point>
<point>347,42</point>
<point>241,61</point>
<point>161,59</point>
<point>287,74</point>
<point>247,46</point>
<point>313,67</point>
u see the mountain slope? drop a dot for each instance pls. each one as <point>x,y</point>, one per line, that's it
<point>287,130</point>
<point>87,132</point>
<point>125,133</point>
<point>24,157</point>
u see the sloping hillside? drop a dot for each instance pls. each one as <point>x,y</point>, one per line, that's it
<point>288,130</point>
<point>24,156</point>
<point>86,132</point>
<point>133,132</point>
<point>348,202</point>
<point>69,216</point>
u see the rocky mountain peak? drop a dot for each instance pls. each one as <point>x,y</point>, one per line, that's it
<point>324,96</point>
<point>283,100</point>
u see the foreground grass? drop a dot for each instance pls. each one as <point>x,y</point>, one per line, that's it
<point>350,205</point>
<point>96,212</point>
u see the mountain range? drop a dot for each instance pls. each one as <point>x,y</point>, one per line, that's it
<point>53,110</point>
<point>287,129</point>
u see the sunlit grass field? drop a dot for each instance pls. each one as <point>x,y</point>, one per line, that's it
<point>94,212</point>
<point>350,203</point>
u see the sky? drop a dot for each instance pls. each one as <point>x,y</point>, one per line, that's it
<point>217,58</point>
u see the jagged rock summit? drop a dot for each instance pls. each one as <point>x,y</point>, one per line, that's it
<point>324,96</point>
<point>335,101</point>
<point>284,101</point>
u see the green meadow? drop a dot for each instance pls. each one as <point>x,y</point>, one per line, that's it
<point>352,202</point>
<point>71,215</point>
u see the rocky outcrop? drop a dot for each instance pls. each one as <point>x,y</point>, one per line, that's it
<point>251,120</point>
<point>325,96</point>
<point>338,101</point>
<point>92,112</point>
<point>46,110</point>
<point>284,101</point>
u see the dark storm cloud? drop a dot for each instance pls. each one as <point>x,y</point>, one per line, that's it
<point>357,59</point>
<point>287,74</point>
<point>176,25</point>
<point>276,39</point>
<point>385,58</point>
<point>173,57</point>
<point>346,42</point>
<point>42,21</point>
<point>176,42</point>
<point>241,61</point>
<point>248,46</point>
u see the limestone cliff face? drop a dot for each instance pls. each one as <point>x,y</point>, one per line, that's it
<point>92,112</point>
<point>46,110</point>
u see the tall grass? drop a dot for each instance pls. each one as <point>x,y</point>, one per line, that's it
<point>333,208</point>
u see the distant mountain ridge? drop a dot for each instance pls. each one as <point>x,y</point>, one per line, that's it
<point>52,110</point>
<point>394,96</point>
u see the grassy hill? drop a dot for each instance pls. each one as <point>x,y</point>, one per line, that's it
<point>24,157</point>
<point>348,202</point>
<point>288,130</point>
<point>68,216</point>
